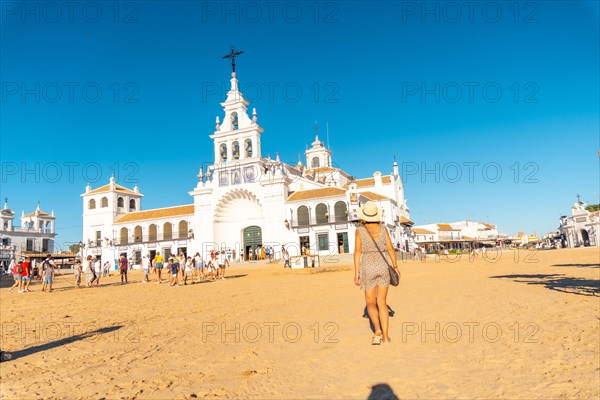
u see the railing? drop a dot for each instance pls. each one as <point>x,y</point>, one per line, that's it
<point>148,239</point>
<point>313,221</point>
<point>26,230</point>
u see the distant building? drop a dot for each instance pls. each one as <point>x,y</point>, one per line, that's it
<point>456,235</point>
<point>34,236</point>
<point>582,228</point>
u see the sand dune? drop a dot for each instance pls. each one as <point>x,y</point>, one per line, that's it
<point>503,328</point>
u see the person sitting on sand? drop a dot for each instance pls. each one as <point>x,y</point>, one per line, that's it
<point>371,271</point>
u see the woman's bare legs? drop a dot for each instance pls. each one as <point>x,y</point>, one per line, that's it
<point>371,299</point>
<point>384,315</point>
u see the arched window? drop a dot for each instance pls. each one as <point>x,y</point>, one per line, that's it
<point>235,150</point>
<point>183,230</point>
<point>152,233</point>
<point>167,231</point>
<point>248,147</point>
<point>132,205</point>
<point>341,211</point>
<point>315,162</point>
<point>223,152</point>
<point>48,227</point>
<point>303,215</point>
<point>321,211</point>
<point>137,234</point>
<point>124,236</point>
<point>120,202</point>
<point>92,204</point>
<point>234,121</point>
<point>104,202</point>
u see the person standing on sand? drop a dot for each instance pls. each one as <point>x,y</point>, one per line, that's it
<point>25,275</point>
<point>146,268</point>
<point>77,273</point>
<point>123,269</point>
<point>97,272</point>
<point>286,257</point>
<point>371,271</point>
<point>48,275</point>
<point>16,272</point>
<point>158,266</point>
<point>199,265</point>
<point>173,269</point>
<point>188,270</point>
<point>223,262</point>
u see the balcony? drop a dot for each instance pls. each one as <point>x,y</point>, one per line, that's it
<point>313,221</point>
<point>146,239</point>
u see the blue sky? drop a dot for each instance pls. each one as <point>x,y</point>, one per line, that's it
<point>509,88</point>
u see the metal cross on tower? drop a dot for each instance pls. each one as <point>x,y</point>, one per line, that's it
<point>233,54</point>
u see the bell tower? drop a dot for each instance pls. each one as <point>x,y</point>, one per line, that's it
<point>237,137</point>
<point>318,155</point>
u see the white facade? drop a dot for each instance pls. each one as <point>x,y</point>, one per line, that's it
<point>244,200</point>
<point>452,235</point>
<point>582,228</point>
<point>35,235</point>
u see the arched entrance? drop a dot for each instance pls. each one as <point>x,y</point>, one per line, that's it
<point>252,237</point>
<point>585,237</point>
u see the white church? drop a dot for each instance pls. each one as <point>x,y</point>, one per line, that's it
<point>244,200</point>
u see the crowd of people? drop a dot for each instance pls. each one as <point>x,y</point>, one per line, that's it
<point>23,273</point>
<point>174,270</point>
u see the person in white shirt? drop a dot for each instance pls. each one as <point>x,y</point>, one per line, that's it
<point>223,261</point>
<point>88,271</point>
<point>199,265</point>
<point>97,271</point>
<point>146,268</point>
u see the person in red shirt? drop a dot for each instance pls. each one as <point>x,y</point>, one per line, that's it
<point>25,275</point>
<point>123,269</point>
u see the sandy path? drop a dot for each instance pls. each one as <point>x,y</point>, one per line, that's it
<point>504,329</point>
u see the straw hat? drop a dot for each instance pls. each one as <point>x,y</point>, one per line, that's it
<point>369,212</point>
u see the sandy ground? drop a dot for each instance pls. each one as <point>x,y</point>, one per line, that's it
<point>525,325</point>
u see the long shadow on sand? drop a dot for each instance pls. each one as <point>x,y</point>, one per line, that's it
<point>577,265</point>
<point>559,282</point>
<point>60,342</point>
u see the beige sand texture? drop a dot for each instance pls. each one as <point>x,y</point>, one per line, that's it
<point>517,325</point>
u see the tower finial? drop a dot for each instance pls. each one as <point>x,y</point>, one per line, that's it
<point>232,55</point>
<point>578,198</point>
<point>6,203</point>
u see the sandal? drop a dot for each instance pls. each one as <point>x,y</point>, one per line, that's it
<point>376,340</point>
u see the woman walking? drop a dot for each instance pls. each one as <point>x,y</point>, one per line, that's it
<point>371,271</point>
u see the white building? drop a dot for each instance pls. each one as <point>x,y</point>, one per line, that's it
<point>582,228</point>
<point>34,236</point>
<point>244,200</point>
<point>455,235</point>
